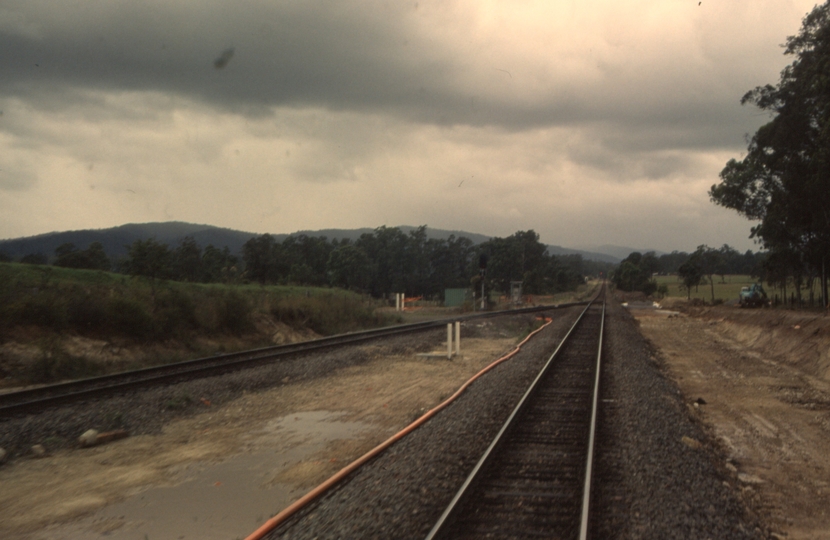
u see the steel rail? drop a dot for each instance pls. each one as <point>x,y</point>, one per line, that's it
<point>442,524</point>
<point>51,395</point>
<point>589,465</point>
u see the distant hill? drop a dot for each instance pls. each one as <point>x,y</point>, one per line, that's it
<point>354,234</point>
<point>588,255</point>
<point>621,252</point>
<point>116,239</point>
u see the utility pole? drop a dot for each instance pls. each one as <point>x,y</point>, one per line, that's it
<point>482,272</point>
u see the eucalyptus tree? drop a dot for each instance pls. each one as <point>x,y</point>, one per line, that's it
<point>784,180</point>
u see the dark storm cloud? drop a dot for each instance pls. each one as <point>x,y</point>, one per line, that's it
<point>356,113</point>
<point>328,53</point>
<point>362,56</point>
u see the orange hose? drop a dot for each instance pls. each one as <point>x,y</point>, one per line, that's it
<point>272,523</point>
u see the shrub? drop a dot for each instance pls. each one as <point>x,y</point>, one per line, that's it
<point>54,364</point>
<point>326,314</point>
<point>174,313</point>
<point>234,313</point>
<point>129,318</point>
<point>87,312</point>
<point>42,309</point>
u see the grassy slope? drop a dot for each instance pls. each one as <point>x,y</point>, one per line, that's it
<point>52,303</point>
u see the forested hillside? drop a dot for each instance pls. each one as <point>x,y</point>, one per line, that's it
<point>380,261</point>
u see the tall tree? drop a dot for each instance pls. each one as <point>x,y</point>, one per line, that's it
<point>94,257</point>
<point>784,180</point>
<point>260,256</point>
<point>350,268</point>
<point>218,265</point>
<point>635,273</point>
<point>691,274</point>
<point>187,260</point>
<point>150,259</point>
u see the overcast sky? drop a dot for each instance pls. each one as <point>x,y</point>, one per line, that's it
<point>592,122</point>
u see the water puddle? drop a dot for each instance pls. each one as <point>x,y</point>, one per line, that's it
<point>221,501</point>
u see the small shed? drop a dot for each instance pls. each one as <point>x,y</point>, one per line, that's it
<point>455,297</point>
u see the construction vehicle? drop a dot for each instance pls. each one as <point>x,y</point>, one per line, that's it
<point>753,296</point>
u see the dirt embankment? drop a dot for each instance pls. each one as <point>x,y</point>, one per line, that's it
<point>33,355</point>
<point>797,339</point>
<point>759,380</point>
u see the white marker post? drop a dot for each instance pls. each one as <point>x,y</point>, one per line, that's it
<point>449,341</point>
<point>458,337</point>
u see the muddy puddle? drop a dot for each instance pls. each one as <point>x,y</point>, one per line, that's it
<point>218,501</point>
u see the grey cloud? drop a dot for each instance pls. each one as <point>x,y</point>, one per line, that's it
<point>14,178</point>
<point>289,53</point>
<point>361,56</point>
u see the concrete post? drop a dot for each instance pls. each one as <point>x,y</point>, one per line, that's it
<point>457,337</point>
<point>449,341</point>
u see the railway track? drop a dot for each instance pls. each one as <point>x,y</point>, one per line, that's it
<point>534,479</point>
<point>40,398</point>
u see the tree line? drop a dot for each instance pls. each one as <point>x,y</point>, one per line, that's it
<point>384,261</point>
<point>388,261</point>
<point>635,272</point>
<point>783,182</point>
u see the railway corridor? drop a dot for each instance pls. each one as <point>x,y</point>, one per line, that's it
<point>657,476</point>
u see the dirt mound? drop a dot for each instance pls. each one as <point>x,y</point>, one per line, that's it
<point>796,338</point>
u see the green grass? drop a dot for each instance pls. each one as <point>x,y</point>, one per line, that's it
<point>726,290</point>
<point>104,305</point>
<point>57,302</point>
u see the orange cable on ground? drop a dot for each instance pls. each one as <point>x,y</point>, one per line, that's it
<point>272,523</point>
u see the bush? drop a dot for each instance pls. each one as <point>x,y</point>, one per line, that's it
<point>326,314</point>
<point>649,288</point>
<point>175,313</point>
<point>129,318</point>
<point>234,313</point>
<point>42,309</point>
<point>56,364</point>
<point>87,312</point>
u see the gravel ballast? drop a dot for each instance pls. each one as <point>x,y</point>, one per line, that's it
<point>147,410</point>
<point>402,492</point>
<point>658,475</point>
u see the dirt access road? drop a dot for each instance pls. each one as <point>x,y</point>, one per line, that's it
<point>760,381</point>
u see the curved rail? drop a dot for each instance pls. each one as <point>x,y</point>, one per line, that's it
<point>34,399</point>
<point>516,480</point>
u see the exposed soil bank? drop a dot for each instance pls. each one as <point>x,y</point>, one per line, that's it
<point>758,379</point>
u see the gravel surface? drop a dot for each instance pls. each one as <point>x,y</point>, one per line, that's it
<point>147,410</point>
<point>402,492</point>
<point>659,475</point>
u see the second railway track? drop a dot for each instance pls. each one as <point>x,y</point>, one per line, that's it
<point>40,398</point>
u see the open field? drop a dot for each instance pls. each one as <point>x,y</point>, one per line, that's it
<point>725,290</point>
